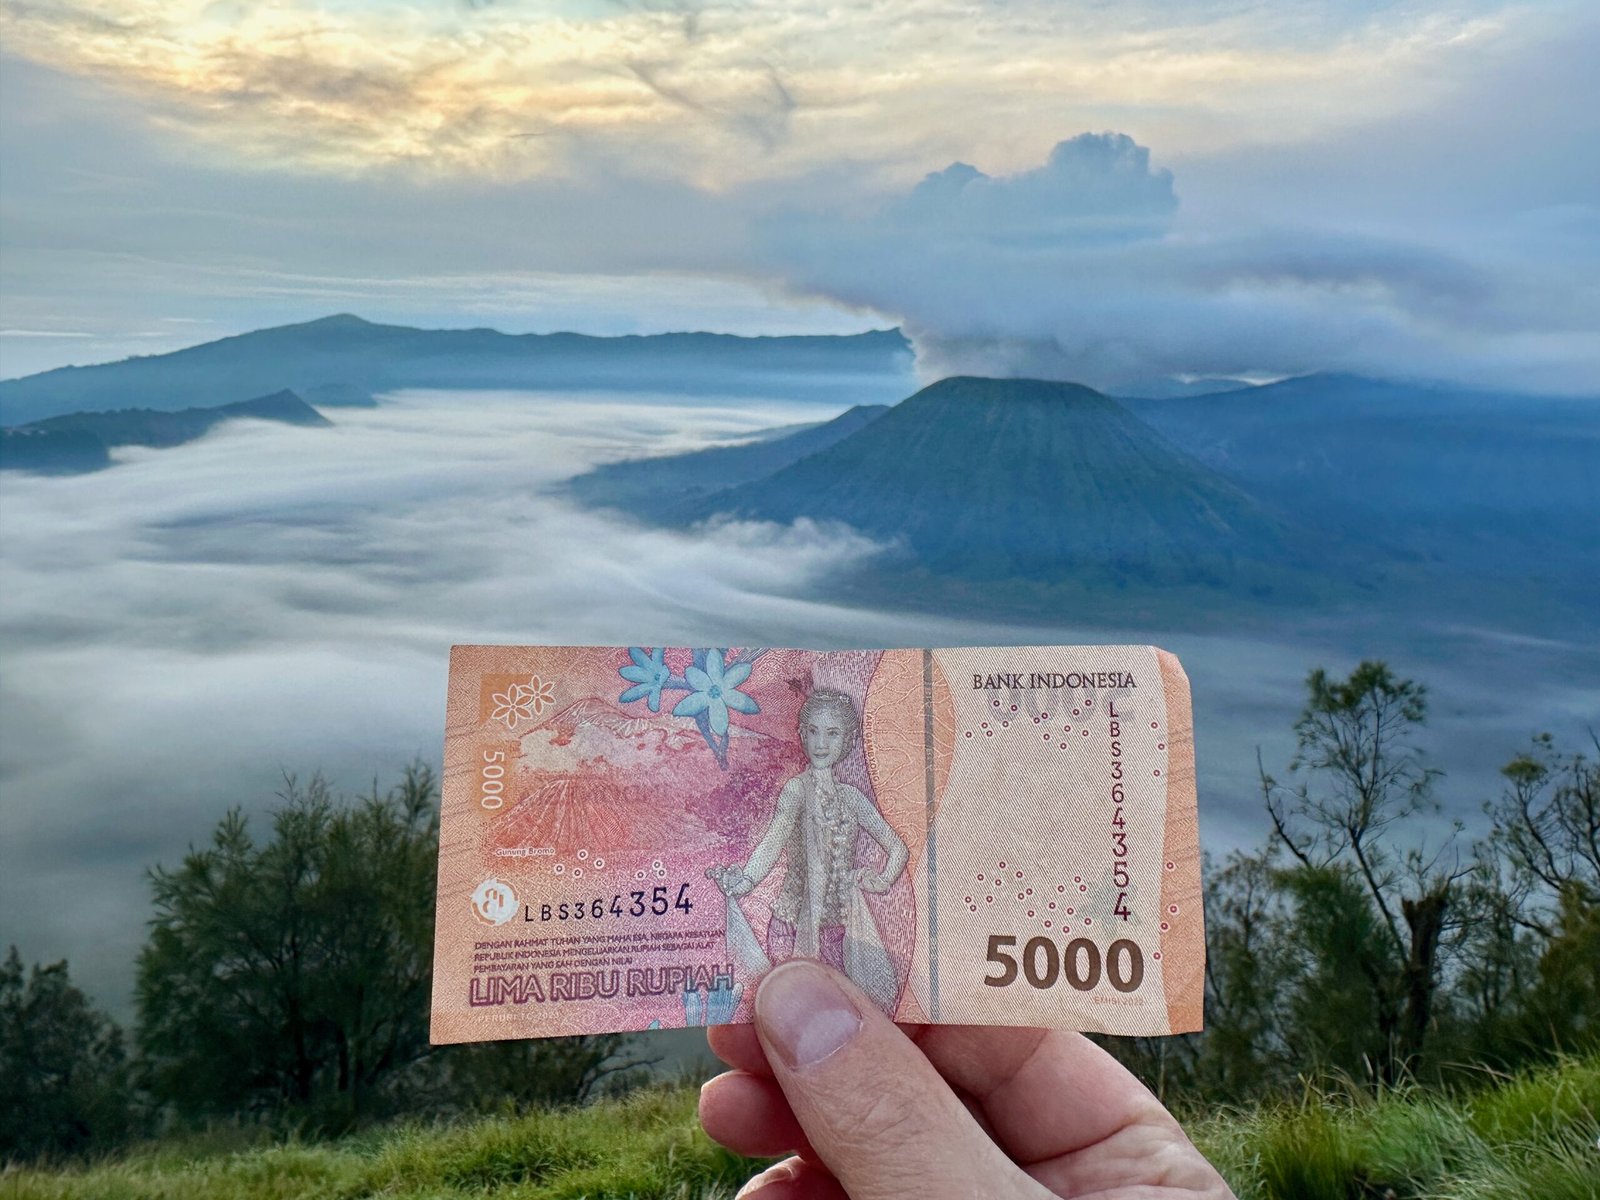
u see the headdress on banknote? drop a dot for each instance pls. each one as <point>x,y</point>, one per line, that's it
<point>833,700</point>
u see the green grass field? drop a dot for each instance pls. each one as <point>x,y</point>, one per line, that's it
<point>1531,1136</point>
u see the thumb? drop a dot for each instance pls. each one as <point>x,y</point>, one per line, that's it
<point>874,1110</point>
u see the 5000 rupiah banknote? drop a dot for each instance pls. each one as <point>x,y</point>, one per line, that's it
<point>632,836</point>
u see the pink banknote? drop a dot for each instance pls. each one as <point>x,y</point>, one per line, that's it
<point>632,836</point>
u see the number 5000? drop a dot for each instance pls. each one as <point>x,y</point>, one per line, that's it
<point>1042,964</point>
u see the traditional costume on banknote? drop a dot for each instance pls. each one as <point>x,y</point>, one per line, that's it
<point>821,910</point>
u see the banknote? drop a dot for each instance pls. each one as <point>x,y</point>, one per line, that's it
<point>632,836</point>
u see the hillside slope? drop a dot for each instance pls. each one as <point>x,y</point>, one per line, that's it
<point>668,488</point>
<point>1479,482</point>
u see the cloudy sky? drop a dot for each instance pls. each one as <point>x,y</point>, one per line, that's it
<point>1404,188</point>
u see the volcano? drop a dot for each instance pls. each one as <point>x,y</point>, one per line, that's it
<point>1028,480</point>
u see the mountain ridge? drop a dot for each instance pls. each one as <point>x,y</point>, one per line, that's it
<point>1477,481</point>
<point>344,358</point>
<point>78,442</point>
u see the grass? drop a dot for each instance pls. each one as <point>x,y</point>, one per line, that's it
<point>1531,1135</point>
<point>647,1146</point>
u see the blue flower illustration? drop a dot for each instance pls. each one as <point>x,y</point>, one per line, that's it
<point>649,673</point>
<point>716,690</point>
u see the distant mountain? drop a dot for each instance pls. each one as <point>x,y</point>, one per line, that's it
<point>344,359</point>
<point>52,451</point>
<point>80,442</point>
<point>671,488</point>
<point>1481,481</point>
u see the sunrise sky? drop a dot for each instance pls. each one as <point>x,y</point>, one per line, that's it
<point>1396,188</point>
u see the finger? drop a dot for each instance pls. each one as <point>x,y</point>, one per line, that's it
<point>739,1047</point>
<point>793,1179</point>
<point>874,1109</point>
<point>749,1115</point>
<point>1025,1080</point>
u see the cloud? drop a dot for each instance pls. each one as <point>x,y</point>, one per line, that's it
<point>1083,269</point>
<point>689,89</point>
<point>1091,188</point>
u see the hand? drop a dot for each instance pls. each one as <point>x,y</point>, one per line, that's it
<point>870,881</point>
<point>934,1112</point>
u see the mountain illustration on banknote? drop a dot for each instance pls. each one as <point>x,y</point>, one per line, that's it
<point>588,785</point>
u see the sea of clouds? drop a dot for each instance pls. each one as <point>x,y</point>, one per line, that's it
<point>183,629</point>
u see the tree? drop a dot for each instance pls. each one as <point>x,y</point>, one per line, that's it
<point>1356,775</point>
<point>292,977</point>
<point>1541,864</point>
<point>1546,832</point>
<point>294,974</point>
<point>1250,963</point>
<point>63,1072</point>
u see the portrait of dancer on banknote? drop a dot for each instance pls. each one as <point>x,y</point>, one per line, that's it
<point>821,911</point>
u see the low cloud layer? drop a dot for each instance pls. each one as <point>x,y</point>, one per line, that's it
<point>185,627</point>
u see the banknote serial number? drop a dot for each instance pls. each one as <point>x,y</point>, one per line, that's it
<point>657,902</point>
<point>1080,965</point>
<point>1119,823</point>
